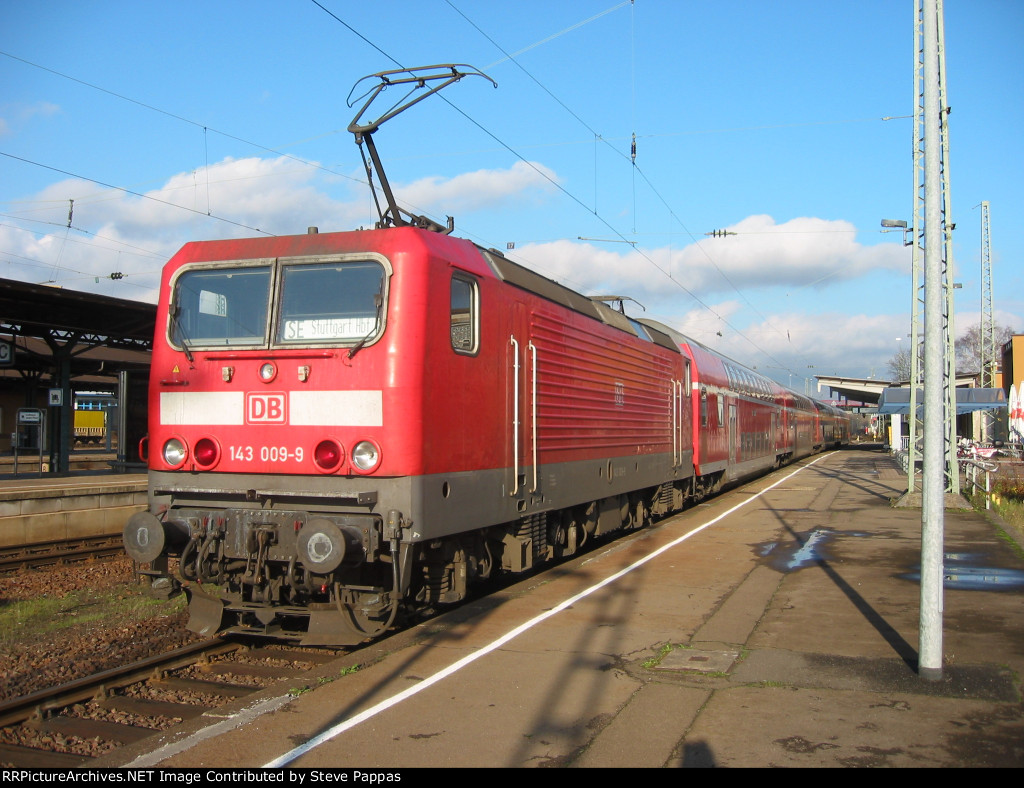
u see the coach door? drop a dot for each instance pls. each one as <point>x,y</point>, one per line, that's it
<point>733,434</point>
<point>682,446</point>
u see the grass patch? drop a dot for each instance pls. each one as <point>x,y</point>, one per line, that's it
<point>24,620</point>
<point>1008,496</point>
<point>297,691</point>
<point>653,662</point>
<point>1007,502</point>
<point>1011,510</point>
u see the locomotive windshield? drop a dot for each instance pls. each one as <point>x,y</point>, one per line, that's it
<point>316,302</point>
<point>333,302</point>
<point>224,306</point>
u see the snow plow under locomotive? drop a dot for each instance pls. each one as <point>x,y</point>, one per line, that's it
<point>346,425</point>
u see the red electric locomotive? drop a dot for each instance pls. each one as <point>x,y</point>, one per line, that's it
<point>341,422</point>
<point>345,425</point>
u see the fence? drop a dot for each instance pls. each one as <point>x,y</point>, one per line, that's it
<point>973,469</point>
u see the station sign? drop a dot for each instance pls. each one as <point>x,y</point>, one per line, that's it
<point>30,416</point>
<point>56,397</point>
<point>6,354</point>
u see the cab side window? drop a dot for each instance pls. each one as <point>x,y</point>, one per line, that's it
<point>465,320</point>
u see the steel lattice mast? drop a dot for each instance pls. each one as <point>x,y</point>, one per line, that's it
<point>939,149</point>
<point>988,323</point>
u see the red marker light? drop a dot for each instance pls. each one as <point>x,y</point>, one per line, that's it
<point>205,453</point>
<point>327,455</point>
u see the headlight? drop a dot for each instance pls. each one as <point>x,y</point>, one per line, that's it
<point>175,452</point>
<point>365,455</point>
<point>268,371</point>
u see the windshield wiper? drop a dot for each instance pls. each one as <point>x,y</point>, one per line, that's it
<point>378,301</point>
<point>180,333</point>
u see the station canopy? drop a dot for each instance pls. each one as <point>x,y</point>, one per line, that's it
<point>895,401</point>
<point>95,336</point>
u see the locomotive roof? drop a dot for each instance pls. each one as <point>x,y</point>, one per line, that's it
<point>503,268</point>
<point>524,278</point>
<point>683,339</point>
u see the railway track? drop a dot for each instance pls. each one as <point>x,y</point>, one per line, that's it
<point>59,552</point>
<point>72,724</point>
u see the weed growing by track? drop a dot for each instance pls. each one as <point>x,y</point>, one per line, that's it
<point>1008,498</point>
<point>1008,503</point>
<point>31,619</point>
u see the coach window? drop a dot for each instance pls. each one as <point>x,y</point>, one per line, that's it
<point>465,324</point>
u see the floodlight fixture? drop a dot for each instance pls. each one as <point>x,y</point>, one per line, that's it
<point>892,225</point>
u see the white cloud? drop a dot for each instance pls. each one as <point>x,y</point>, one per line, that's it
<point>829,343</point>
<point>786,334</point>
<point>249,195</point>
<point>474,191</point>
<point>800,253</point>
<point>134,234</point>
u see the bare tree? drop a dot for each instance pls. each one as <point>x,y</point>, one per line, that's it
<point>899,366</point>
<point>968,347</point>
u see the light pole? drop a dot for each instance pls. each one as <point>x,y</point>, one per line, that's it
<point>892,225</point>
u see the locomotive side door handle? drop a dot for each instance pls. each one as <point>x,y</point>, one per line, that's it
<point>515,415</point>
<point>533,410</point>
<point>676,433</point>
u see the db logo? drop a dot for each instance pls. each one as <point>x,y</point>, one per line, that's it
<point>266,408</point>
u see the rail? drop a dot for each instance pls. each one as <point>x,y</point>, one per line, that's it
<point>59,551</point>
<point>45,728</point>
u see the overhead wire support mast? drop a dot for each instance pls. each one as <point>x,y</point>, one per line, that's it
<point>988,323</point>
<point>940,470</point>
<point>932,185</point>
<point>417,78</point>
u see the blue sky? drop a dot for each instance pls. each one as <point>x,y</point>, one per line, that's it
<point>194,120</point>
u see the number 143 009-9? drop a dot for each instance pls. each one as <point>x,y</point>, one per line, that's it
<point>266,453</point>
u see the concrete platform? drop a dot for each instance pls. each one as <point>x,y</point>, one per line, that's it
<point>776,625</point>
<point>41,509</point>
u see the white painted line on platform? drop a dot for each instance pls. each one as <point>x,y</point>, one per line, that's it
<point>454,668</point>
<point>226,724</point>
<point>272,704</point>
